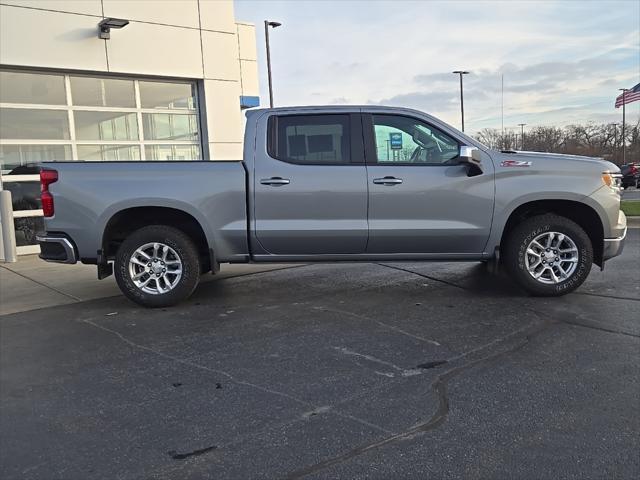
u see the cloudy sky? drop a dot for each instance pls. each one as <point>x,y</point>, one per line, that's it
<point>562,61</point>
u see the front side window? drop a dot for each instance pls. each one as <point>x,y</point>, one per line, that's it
<point>406,140</point>
<point>311,139</point>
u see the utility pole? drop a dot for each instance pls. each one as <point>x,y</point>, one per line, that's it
<point>502,105</point>
<point>624,120</point>
<point>268,24</point>
<point>522,135</point>
<point>461,73</point>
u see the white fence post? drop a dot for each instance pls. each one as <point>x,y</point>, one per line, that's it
<point>7,228</point>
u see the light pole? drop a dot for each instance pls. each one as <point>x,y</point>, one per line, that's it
<point>268,24</point>
<point>461,73</point>
<point>624,140</point>
<point>522,135</point>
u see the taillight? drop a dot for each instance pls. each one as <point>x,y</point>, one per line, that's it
<point>47,177</point>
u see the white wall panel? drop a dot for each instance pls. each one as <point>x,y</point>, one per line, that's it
<point>220,56</point>
<point>250,86</point>
<point>87,7</point>
<point>148,49</point>
<point>217,15</point>
<point>225,151</point>
<point>50,39</point>
<point>170,12</point>
<point>224,118</point>
<point>247,41</point>
<point>155,43</point>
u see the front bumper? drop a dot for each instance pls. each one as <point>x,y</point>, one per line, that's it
<point>56,248</point>
<point>614,246</point>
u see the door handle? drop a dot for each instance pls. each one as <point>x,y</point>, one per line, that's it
<point>275,181</point>
<point>389,181</point>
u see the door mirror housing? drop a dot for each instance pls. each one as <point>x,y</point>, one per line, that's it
<point>471,157</point>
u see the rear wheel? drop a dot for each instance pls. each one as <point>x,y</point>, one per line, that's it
<point>157,266</point>
<point>548,255</point>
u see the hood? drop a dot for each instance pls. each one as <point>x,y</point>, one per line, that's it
<point>557,157</point>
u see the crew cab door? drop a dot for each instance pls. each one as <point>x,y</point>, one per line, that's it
<point>310,186</point>
<point>420,199</point>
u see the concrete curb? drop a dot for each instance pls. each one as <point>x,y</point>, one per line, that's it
<point>633,222</point>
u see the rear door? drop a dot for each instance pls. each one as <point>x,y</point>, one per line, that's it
<point>420,199</point>
<point>311,186</point>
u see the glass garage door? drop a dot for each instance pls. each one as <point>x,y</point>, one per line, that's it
<point>68,117</point>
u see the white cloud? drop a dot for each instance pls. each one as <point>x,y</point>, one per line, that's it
<point>555,56</point>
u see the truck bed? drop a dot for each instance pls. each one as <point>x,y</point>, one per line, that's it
<point>88,195</point>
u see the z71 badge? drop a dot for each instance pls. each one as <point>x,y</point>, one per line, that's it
<point>515,163</point>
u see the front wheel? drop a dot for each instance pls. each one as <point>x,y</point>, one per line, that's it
<point>548,255</point>
<point>157,266</point>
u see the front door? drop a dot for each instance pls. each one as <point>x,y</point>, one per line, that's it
<point>311,186</point>
<point>420,199</point>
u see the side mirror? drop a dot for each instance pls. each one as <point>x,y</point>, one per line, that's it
<point>470,156</point>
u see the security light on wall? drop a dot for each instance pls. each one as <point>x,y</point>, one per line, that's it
<point>108,23</point>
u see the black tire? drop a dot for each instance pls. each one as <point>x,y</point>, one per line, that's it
<point>184,248</point>
<point>515,254</point>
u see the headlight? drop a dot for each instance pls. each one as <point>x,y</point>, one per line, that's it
<point>612,180</point>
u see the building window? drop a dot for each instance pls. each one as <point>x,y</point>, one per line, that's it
<point>49,117</point>
<point>58,117</point>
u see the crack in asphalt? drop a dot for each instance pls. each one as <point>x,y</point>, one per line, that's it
<point>383,324</point>
<point>453,284</point>
<point>423,275</point>
<point>195,365</point>
<point>181,456</point>
<point>592,325</point>
<point>233,379</point>
<point>602,295</point>
<point>600,328</point>
<point>439,385</point>
<point>441,382</point>
<point>73,297</point>
<point>404,372</point>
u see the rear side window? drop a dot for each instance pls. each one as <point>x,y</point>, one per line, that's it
<point>310,139</point>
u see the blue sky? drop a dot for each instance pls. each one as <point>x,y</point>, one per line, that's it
<point>562,61</point>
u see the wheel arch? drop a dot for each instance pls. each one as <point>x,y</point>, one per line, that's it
<point>581,213</point>
<point>125,221</point>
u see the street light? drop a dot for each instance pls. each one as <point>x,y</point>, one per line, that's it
<point>522,135</point>
<point>624,152</point>
<point>461,73</point>
<point>268,24</point>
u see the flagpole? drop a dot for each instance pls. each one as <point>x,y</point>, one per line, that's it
<point>624,120</point>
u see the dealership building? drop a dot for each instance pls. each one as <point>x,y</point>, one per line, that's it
<point>118,80</point>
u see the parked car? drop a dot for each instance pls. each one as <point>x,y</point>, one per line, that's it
<point>329,184</point>
<point>630,175</point>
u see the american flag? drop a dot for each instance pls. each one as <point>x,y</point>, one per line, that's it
<point>631,95</point>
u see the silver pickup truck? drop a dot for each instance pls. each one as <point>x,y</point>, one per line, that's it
<point>330,184</point>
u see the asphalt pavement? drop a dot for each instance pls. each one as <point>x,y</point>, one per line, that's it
<point>376,371</point>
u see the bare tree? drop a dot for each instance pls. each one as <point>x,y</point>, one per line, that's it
<point>597,140</point>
